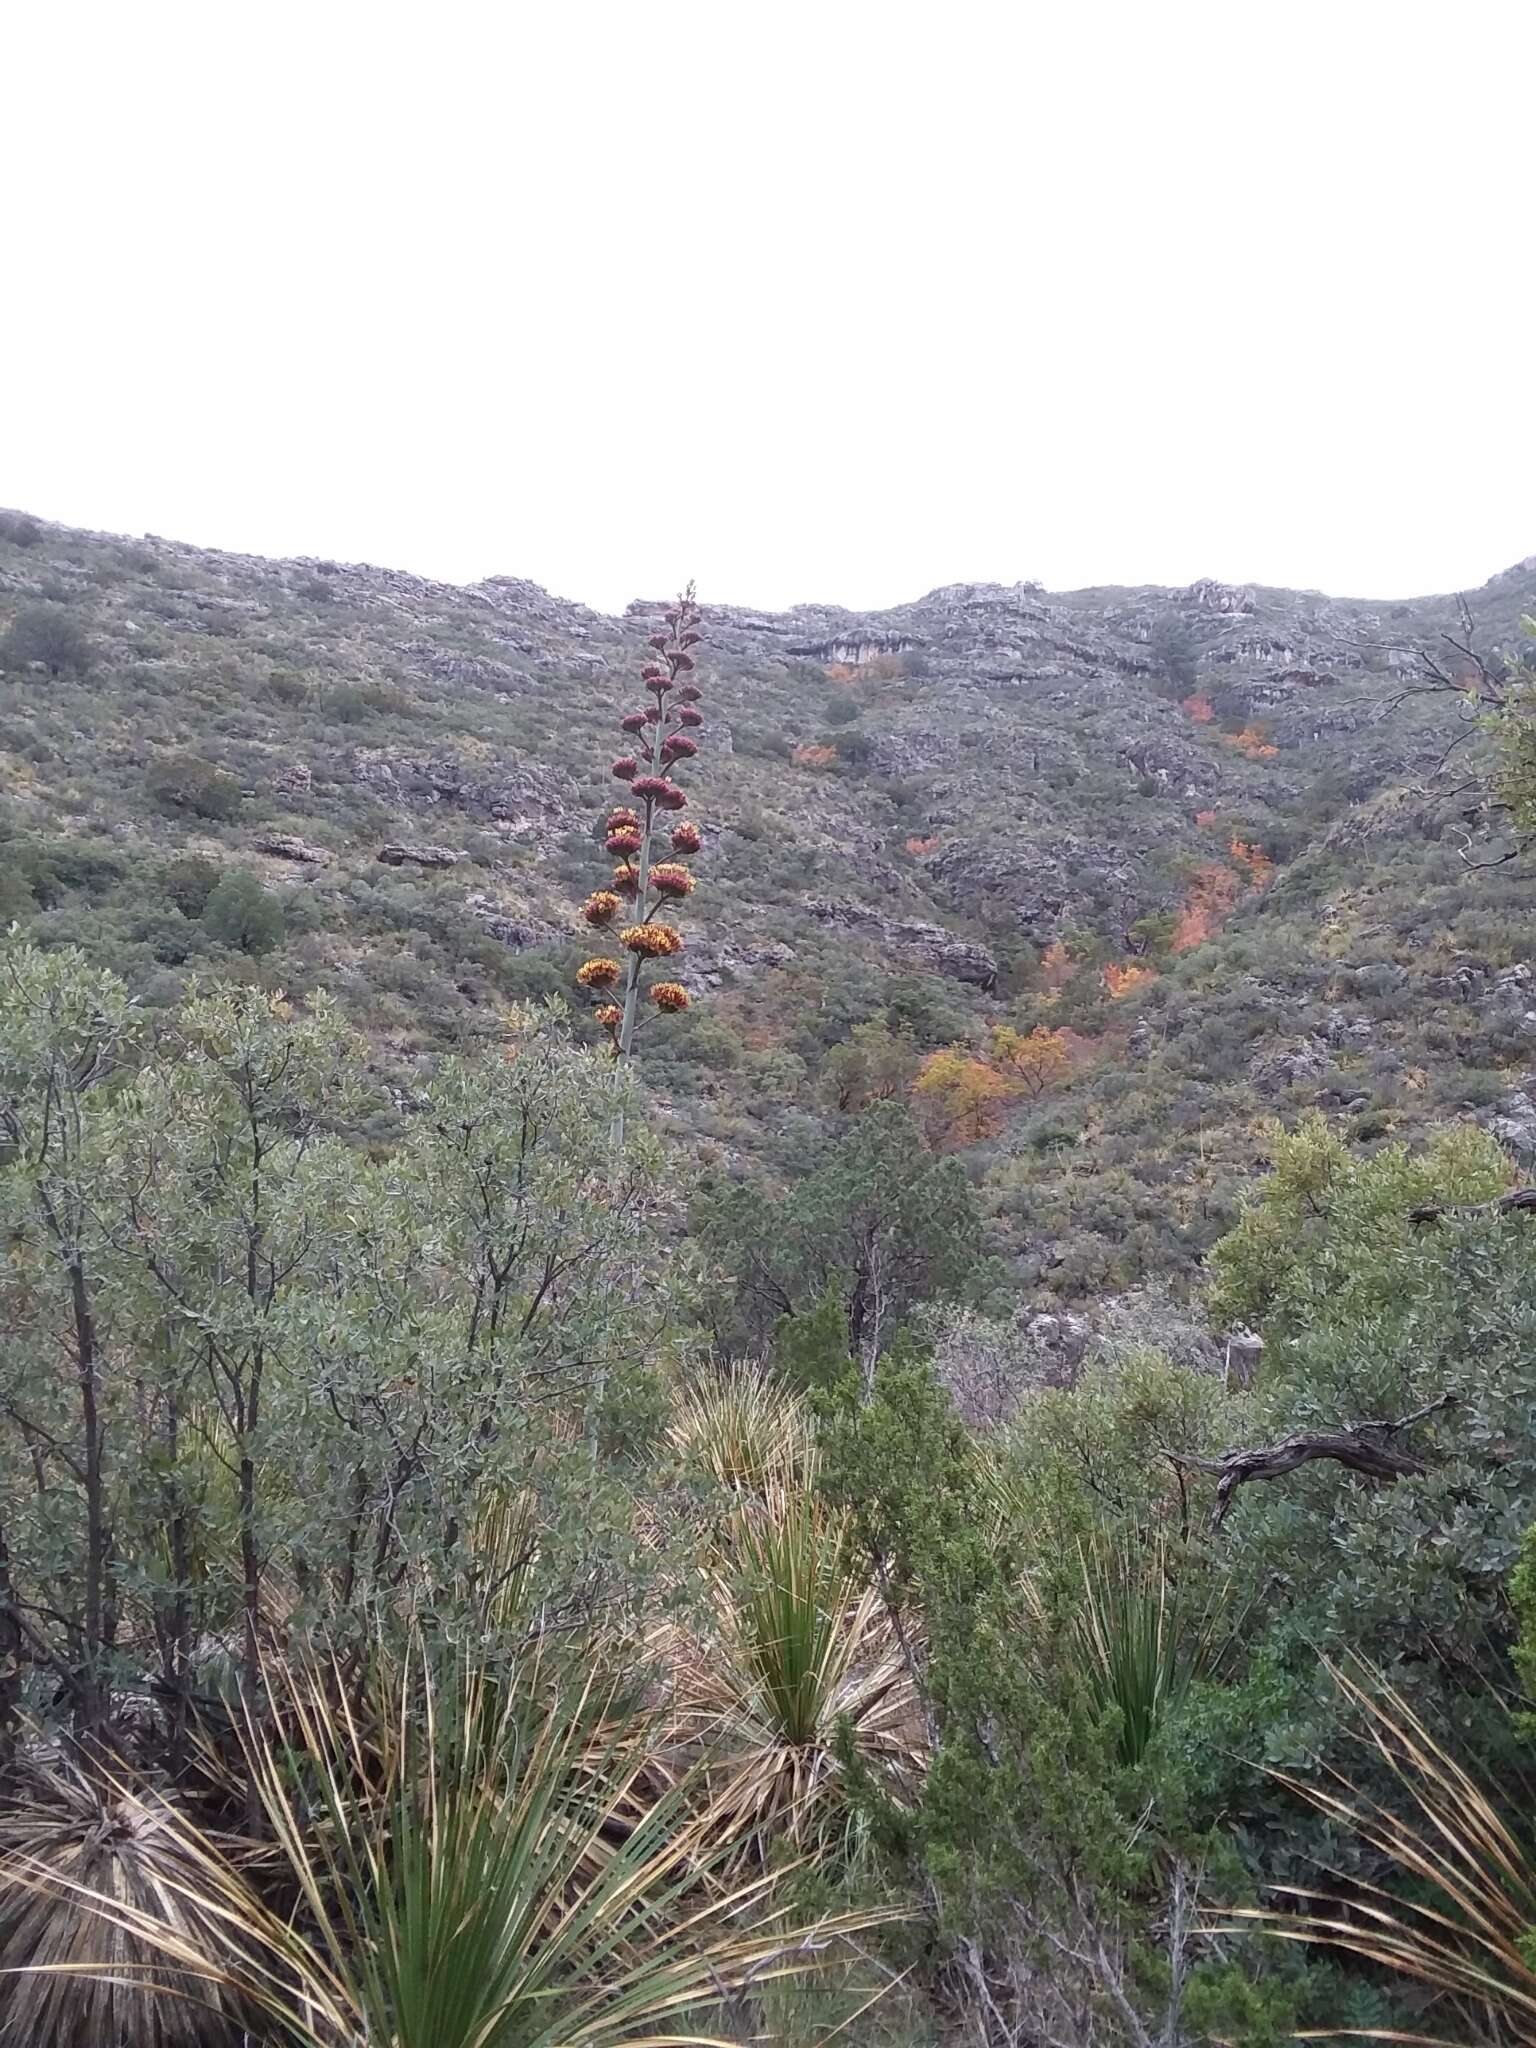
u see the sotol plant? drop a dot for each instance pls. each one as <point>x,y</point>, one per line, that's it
<point>643,886</point>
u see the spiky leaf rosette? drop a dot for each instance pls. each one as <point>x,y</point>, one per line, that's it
<point>480,1860</point>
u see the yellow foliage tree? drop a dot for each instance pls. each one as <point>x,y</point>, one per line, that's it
<point>959,1097</point>
<point>1031,1061</point>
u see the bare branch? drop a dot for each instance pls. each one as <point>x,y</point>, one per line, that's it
<point>1360,1446</point>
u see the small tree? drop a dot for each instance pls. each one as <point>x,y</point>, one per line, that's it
<point>666,728</point>
<point>186,782</point>
<point>47,636</point>
<point>960,1097</point>
<point>1175,649</point>
<point>1032,1060</point>
<point>244,914</point>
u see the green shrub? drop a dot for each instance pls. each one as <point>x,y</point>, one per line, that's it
<point>47,636</point>
<point>243,914</point>
<point>186,784</point>
<point>189,882</point>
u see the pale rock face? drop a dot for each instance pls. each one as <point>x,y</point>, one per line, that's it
<point>287,846</point>
<point>1514,1124</point>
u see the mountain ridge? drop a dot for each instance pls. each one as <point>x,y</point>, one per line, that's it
<point>1197,831</point>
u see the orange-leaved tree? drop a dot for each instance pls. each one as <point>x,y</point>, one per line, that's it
<point>1254,862</point>
<point>1212,893</point>
<point>1254,741</point>
<point>1209,900</point>
<point>960,1098</point>
<point>1031,1061</point>
<point>1125,980</point>
<point>663,733</point>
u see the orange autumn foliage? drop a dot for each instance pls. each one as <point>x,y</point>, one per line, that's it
<point>1199,708</point>
<point>1254,862</point>
<point>1213,893</point>
<point>814,757</point>
<point>1124,981</point>
<point>960,1098</point>
<point>1252,742</point>
<point>1208,902</point>
<point>1205,817</point>
<point>917,846</point>
<point>1057,966</point>
<point>840,672</point>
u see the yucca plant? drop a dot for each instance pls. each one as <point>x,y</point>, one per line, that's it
<point>86,1859</point>
<point>1140,1642</point>
<point>470,1870</point>
<point>1469,1936</point>
<point>800,1657</point>
<point>743,1427</point>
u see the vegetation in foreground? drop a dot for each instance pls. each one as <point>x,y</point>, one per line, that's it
<point>419,1630</point>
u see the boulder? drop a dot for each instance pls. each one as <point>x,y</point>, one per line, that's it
<point>287,846</point>
<point>395,856</point>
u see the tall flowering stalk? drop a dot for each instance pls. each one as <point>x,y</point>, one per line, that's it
<point>649,883</point>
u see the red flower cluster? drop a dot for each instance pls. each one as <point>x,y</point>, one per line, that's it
<point>669,995</point>
<point>686,839</point>
<point>672,878</point>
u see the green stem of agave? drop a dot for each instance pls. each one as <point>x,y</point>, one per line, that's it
<point>635,964</point>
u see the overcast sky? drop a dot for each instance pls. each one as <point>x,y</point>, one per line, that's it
<point>832,301</point>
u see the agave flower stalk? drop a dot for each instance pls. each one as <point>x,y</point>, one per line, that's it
<point>649,887</point>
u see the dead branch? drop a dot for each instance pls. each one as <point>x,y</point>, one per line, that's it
<point>1501,1205</point>
<point>1360,1446</point>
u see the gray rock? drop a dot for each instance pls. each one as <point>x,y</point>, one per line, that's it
<point>396,856</point>
<point>287,846</point>
<point>1514,1124</point>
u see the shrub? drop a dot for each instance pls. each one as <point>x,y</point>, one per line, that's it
<point>188,784</point>
<point>47,636</point>
<point>189,882</point>
<point>243,914</point>
<point>20,529</point>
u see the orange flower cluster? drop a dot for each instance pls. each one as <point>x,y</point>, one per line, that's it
<point>651,941</point>
<point>662,732</point>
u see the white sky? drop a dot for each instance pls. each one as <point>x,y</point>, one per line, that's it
<point>829,301</point>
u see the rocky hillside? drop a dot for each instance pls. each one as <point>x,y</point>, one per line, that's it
<point>1201,838</point>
